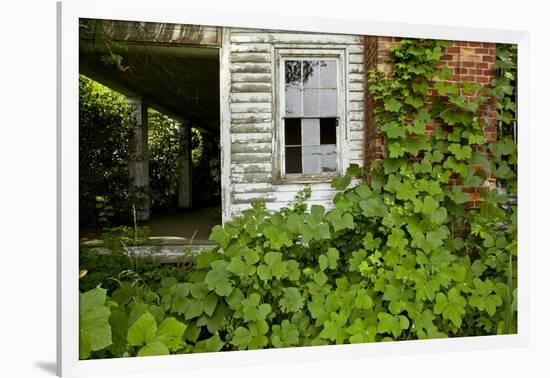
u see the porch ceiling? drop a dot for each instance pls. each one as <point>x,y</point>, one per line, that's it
<point>175,68</point>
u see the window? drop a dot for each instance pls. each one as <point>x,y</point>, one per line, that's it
<point>309,116</point>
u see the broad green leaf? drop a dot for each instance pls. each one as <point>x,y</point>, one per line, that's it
<point>170,333</point>
<point>155,348</point>
<point>214,343</point>
<point>209,304</point>
<point>95,330</point>
<point>143,331</point>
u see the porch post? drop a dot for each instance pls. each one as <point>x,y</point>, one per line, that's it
<point>185,165</point>
<point>139,156</point>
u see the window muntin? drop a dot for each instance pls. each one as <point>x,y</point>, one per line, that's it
<point>310,116</point>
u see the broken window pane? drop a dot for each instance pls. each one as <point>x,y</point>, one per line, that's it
<point>293,131</point>
<point>293,160</point>
<point>328,131</point>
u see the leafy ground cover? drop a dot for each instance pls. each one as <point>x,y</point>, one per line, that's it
<point>400,257</point>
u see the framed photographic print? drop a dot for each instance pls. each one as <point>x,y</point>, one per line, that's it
<point>238,188</point>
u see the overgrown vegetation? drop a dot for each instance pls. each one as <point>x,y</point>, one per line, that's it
<point>105,198</point>
<point>401,257</point>
<point>103,155</point>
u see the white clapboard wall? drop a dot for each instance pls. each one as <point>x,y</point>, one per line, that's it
<point>249,88</point>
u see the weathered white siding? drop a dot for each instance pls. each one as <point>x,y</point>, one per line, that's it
<point>251,113</point>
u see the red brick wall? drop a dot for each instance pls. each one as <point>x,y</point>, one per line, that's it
<point>471,62</point>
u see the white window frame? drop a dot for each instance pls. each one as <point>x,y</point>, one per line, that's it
<point>281,55</point>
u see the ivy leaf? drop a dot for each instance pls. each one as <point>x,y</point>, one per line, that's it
<point>392,105</point>
<point>397,239</point>
<point>451,306</point>
<point>362,300</point>
<point>219,235</point>
<point>292,300</point>
<point>394,324</point>
<point>252,337</point>
<point>316,308</point>
<point>356,259</point>
<point>370,243</point>
<point>217,278</point>
<point>333,329</point>
<point>242,338</point>
<point>294,223</point>
<point>341,183</point>
<point>434,239</point>
<point>361,333</point>
<point>415,102</point>
<point>277,268</point>
<point>429,205</point>
<point>323,262</point>
<point>321,232</point>
<point>439,216</point>
<point>483,297</point>
<point>340,221</point>
<point>396,149</point>
<point>284,335</point>
<point>478,267</point>
<point>253,310</point>
<point>423,325</point>
<point>320,278</point>
<point>393,130</point>
<point>277,237</point>
<point>460,152</point>
<point>333,255</point>
<point>458,196</point>
<point>373,207</point>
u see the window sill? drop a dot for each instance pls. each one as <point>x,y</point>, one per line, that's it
<point>304,179</point>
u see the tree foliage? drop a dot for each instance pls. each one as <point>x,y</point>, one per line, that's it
<point>103,153</point>
<point>105,197</point>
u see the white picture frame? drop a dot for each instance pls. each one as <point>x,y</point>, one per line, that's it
<point>68,363</point>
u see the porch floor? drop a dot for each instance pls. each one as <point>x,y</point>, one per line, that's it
<point>177,228</point>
